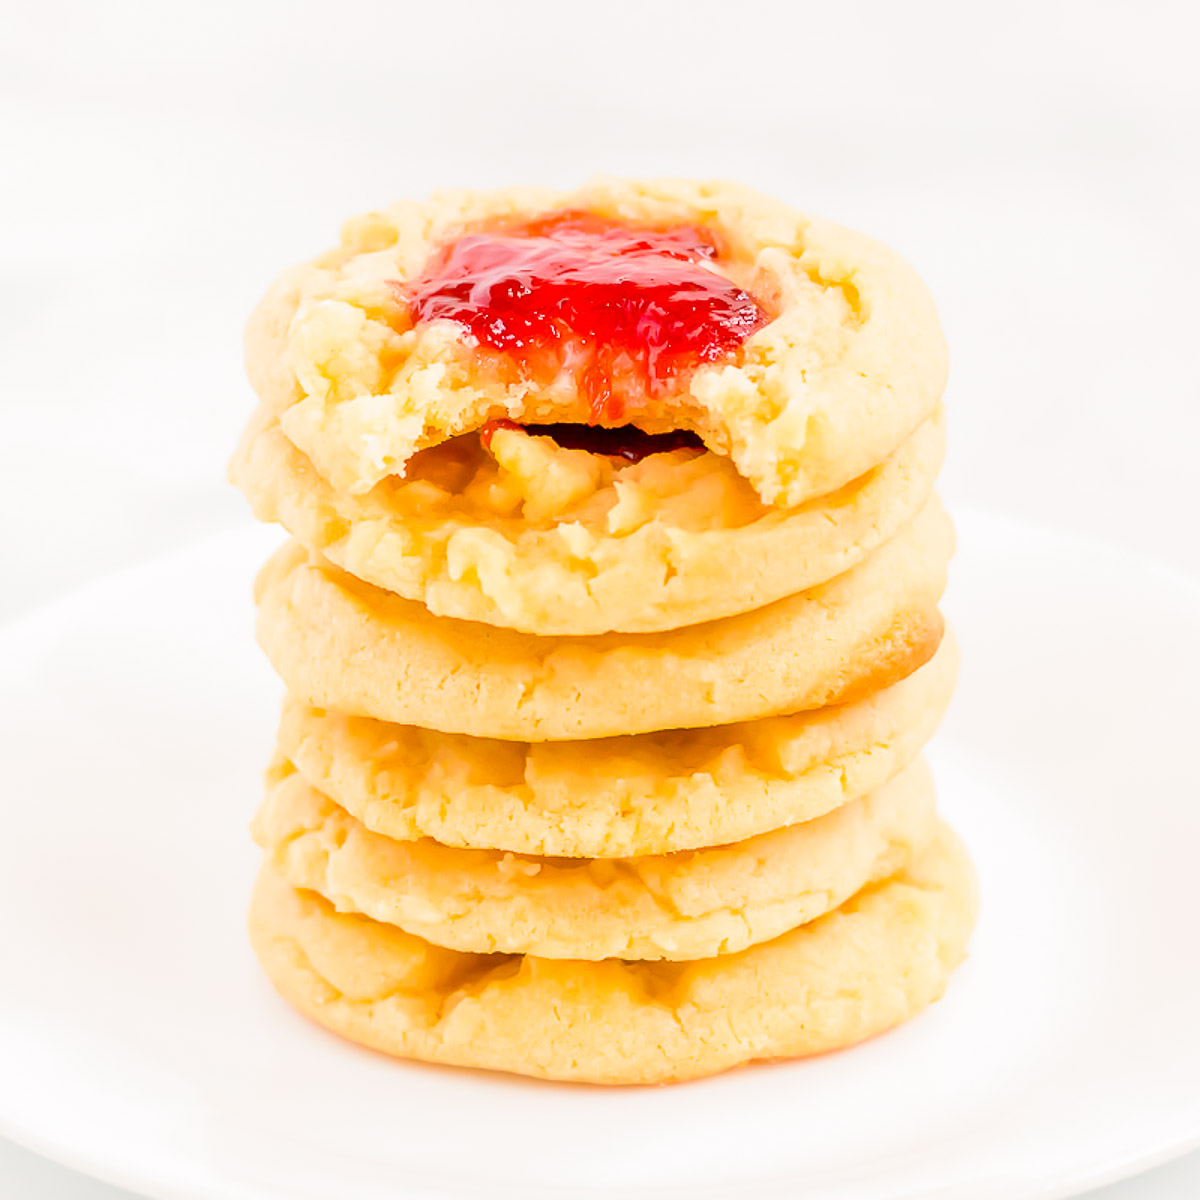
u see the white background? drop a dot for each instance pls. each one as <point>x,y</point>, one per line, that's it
<point>1037,162</point>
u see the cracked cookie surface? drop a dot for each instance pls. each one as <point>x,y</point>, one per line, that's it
<point>340,643</point>
<point>532,536</point>
<point>655,793</point>
<point>872,963</point>
<point>695,904</point>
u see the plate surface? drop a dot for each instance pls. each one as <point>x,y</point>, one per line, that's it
<point>140,1043</point>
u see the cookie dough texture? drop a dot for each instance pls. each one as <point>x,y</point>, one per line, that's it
<point>855,972</point>
<point>561,542</point>
<point>342,644</point>
<point>851,364</point>
<point>696,904</point>
<point>655,793</point>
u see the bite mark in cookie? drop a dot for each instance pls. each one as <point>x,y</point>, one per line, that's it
<point>829,358</point>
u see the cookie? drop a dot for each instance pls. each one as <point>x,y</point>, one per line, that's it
<point>656,793</point>
<point>543,539</point>
<point>696,904</point>
<point>342,644</point>
<point>877,960</point>
<point>845,363</point>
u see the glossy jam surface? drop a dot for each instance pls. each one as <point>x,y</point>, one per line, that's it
<point>628,309</point>
<point>624,441</point>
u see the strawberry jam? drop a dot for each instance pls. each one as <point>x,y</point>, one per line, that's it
<point>628,309</point>
<point>625,441</point>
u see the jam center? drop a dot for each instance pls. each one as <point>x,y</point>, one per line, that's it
<point>627,309</point>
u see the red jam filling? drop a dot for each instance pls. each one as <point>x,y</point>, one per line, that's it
<point>625,441</point>
<point>628,309</point>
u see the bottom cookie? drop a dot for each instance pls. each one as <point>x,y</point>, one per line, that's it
<point>879,959</point>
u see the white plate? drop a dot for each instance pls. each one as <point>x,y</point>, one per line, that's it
<point>139,1042</point>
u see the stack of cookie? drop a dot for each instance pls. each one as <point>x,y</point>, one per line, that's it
<point>610,630</point>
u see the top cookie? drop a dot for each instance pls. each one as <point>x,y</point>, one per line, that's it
<point>830,355</point>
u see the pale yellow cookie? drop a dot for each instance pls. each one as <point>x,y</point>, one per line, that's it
<point>697,904</point>
<point>656,793</point>
<point>851,364</point>
<point>342,644</point>
<point>548,540</point>
<point>883,956</point>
